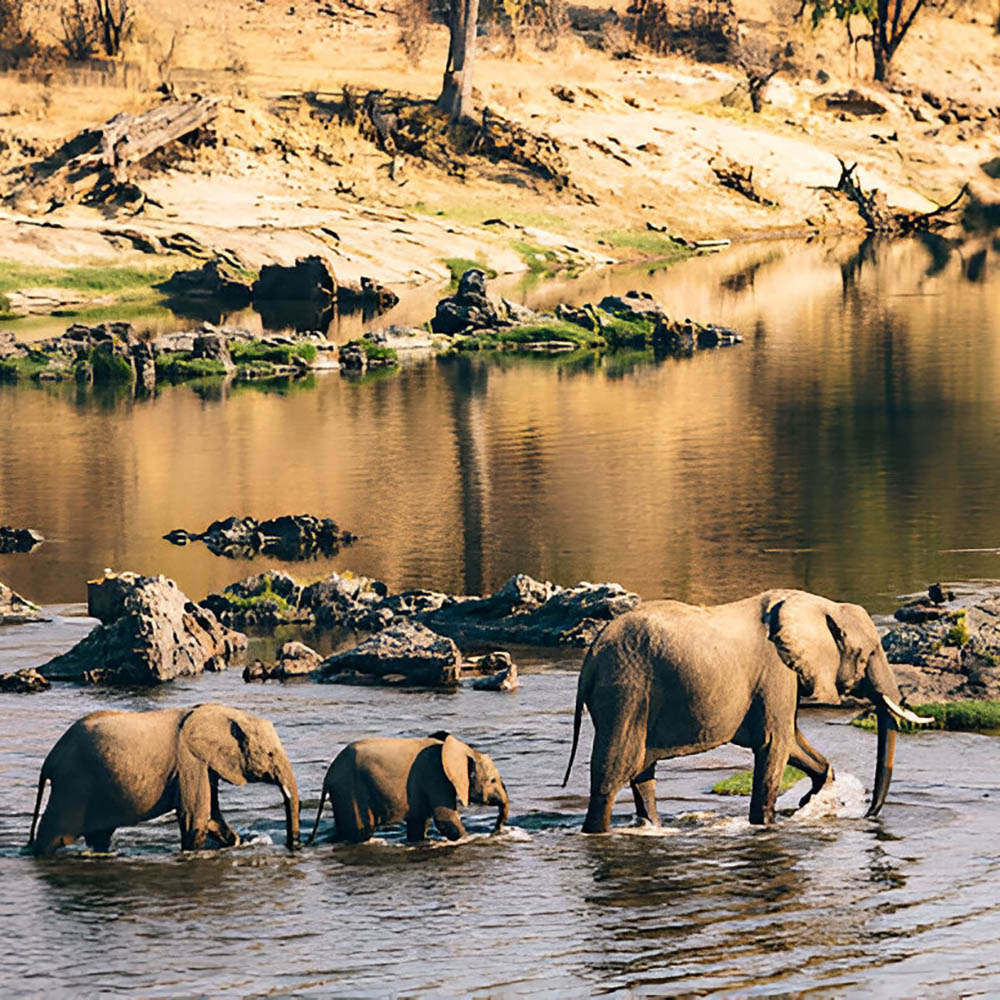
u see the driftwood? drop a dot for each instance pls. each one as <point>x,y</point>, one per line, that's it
<point>738,177</point>
<point>95,164</point>
<point>874,208</point>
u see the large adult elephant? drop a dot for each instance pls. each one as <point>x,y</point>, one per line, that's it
<point>669,679</point>
<point>112,769</point>
<point>410,780</point>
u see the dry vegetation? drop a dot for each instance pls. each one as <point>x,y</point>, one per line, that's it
<point>585,139</point>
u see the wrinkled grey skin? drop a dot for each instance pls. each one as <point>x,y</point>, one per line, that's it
<point>376,782</point>
<point>669,679</point>
<point>112,769</point>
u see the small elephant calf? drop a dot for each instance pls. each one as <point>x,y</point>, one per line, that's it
<point>375,782</point>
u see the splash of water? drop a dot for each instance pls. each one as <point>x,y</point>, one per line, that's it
<point>842,798</point>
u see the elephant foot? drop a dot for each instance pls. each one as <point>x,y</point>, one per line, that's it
<point>817,786</point>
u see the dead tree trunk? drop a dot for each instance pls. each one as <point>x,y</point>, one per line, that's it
<point>456,92</point>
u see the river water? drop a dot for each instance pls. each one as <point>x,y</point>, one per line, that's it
<point>849,446</point>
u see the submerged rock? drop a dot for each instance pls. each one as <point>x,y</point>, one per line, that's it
<point>291,537</point>
<point>295,659</point>
<point>405,654</point>
<point>25,681</point>
<point>149,633</point>
<point>501,670</point>
<point>16,610</point>
<point>18,539</point>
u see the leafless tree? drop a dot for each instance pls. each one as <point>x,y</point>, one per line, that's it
<point>456,92</point>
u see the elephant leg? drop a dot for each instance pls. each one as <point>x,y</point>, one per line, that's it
<point>416,828</point>
<point>769,763</point>
<point>808,759</point>
<point>99,840</point>
<point>448,823</point>
<point>217,826</point>
<point>59,826</point>
<point>644,793</point>
<point>616,759</point>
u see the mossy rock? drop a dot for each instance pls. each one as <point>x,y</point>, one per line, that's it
<point>741,783</point>
<point>109,366</point>
<point>176,366</point>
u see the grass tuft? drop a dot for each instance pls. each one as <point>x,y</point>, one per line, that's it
<point>741,783</point>
<point>955,716</point>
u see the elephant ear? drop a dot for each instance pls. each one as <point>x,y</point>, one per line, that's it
<point>810,641</point>
<point>455,762</point>
<point>216,738</point>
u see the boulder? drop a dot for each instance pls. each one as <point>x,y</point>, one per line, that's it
<point>406,653</point>
<point>295,659</point>
<point>310,279</point>
<point>213,280</point>
<point>15,610</point>
<point>25,681</point>
<point>18,539</point>
<point>469,308</point>
<point>344,601</point>
<point>264,600</point>
<point>368,296</point>
<point>149,633</point>
<point>213,347</point>
<point>541,614</point>
<point>290,537</point>
<point>500,668</point>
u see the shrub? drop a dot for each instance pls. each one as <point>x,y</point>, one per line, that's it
<point>17,43</point>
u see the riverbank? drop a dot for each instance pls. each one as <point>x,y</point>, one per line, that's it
<point>643,146</point>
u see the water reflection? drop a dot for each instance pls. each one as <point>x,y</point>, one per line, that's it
<point>845,446</point>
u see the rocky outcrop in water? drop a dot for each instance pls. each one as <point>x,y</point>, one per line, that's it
<point>523,610</point>
<point>215,280</point>
<point>291,537</point>
<point>18,539</point>
<point>407,653</point>
<point>470,308</point>
<point>25,681</point>
<point>500,670</point>
<point>149,632</point>
<point>946,647</point>
<point>294,659</point>
<point>16,610</point>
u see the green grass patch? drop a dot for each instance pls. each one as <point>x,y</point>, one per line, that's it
<point>620,332</point>
<point>539,260</point>
<point>306,351</point>
<point>742,782</point>
<point>108,366</point>
<point>956,716</point>
<point>459,265</point>
<point>534,333</point>
<point>649,243</point>
<point>82,279</point>
<point>375,352</point>
<point>16,369</point>
<point>176,366</point>
<point>265,595</point>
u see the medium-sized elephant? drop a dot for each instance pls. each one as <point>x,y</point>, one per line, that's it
<point>669,679</point>
<point>375,782</point>
<point>112,769</point>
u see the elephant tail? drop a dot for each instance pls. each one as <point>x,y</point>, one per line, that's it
<point>577,717</point>
<point>42,778</point>
<point>319,812</point>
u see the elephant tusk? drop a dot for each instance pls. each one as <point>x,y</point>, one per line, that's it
<point>905,713</point>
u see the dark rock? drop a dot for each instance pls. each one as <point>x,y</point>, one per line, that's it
<point>213,347</point>
<point>368,296</point>
<point>926,609</point>
<point>295,659</point>
<point>18,539</point>
<point>26,681</point>
<point>352,358</point>
<point>632,306</point>
<point>343,601</point>
<point>526,611</point>
<point>291,537</point>
<point>310,279</point>
<point>469,308</point>
<point>585,317</point>
<point>502,672</point>
<point>150,633</point>
<point>15,610</point>
<point>412,651</point>
<point>265,600</point>
<point>214,280</point>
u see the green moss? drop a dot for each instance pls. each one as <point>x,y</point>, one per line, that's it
<point>957,716</point>
<point>306,351</point>
<point>108,366</point>
<point>619,332</point>
<point>16,369</point>
<point>958,634</point>
<point>176,366</point>
<point>533,333</point>
<point>265,595</point>
<point>742,782</point>
<point>255,350</point>
<point>375,352</point>
<point>459,265</point>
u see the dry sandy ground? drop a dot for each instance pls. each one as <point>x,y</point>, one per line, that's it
<point>638,138</point>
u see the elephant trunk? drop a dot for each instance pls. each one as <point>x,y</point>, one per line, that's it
<point>504,803</point>
<point>885,696</point>
<point>285,780</point>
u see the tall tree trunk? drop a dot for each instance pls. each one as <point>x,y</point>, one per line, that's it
<point>456,92</point>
